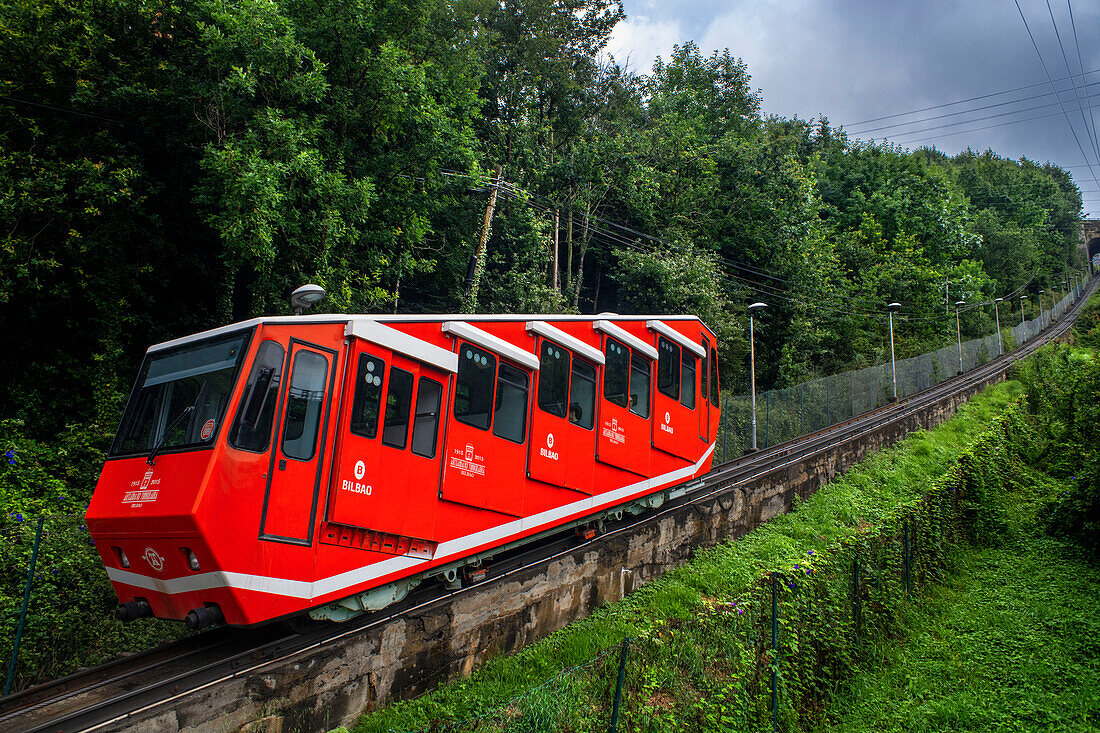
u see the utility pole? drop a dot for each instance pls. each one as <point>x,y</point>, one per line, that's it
<point>470,301</point>
<point>555,250</point>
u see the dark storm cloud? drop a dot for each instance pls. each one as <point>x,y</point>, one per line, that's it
<point>853,61</point>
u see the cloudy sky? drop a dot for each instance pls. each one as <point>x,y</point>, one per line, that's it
<point>856,60</point>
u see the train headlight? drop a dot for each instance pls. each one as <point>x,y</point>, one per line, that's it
<point>192,561</point>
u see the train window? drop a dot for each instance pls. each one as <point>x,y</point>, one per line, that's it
<point>668,368</point>
<point>582,395</point>
<point>714,377</point>
<point>367,402</point>
<point>426,421</point>
<point>252,428</point>
<point>616,372</point>
<point>687,380</point>
<point>703,372</point>
<point>180,394</point>
<point>304,402</point>
<point>639,385</point>
<point>553,378</point>
<point>395,428</point>
<point>474,386</point>
<point>510,416</point>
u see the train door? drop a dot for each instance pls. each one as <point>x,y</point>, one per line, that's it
<point>485,449</point>
<point>715,408</point>
<point>624,437</point>
<point>294,478</point>
<point>563,435</point>
<point>703,410</point>
<point>389,470</point>
<point>672,424</point>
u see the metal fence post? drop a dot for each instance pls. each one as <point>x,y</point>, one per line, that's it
<point>775,651</point>
<point>855,597</point>
<point>827,421</point>
<point>619,686</point>
<point>23,612</point>
<point>801,407</point>
<point>723,426</point>
<point>767,415</point>
<point>906,543</point>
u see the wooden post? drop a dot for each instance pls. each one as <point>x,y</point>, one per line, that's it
<point>556,279</point>
<point>470,301</point>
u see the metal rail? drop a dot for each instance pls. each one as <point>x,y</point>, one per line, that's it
<point>109,696</point>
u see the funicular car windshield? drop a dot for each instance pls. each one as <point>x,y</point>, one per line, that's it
<point>181,396</point>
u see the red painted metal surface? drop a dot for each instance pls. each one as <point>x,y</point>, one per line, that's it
<point>370,475</point>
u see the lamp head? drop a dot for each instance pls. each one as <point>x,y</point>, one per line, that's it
<point>959,303</point>
<point>304,297</point>
<point>893,306</point>
<point>757,306</point>
<point>999,300</point>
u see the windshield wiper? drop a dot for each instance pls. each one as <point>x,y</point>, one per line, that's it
<point>164,436</point>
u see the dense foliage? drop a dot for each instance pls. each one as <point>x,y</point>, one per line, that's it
<point>1064,398</point>
<point>166,167</point>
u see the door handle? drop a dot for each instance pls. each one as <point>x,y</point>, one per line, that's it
<point>282,464</point>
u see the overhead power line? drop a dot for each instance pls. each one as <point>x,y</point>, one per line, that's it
<point>966,111</point>
<point>1081,64</point>
<point>962,101</point>
<point>1051,81</point>
<point>755,280</point>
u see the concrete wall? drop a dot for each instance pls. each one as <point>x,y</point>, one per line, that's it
<point>330,686</point>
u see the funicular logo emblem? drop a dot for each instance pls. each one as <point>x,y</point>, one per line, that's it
<point>469,452</point>
<point>360,470</point>
<point>549,440</point>
<point>668,418</point>
<point>154,559</point>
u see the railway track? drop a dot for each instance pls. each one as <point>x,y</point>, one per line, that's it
<point>109,696</point>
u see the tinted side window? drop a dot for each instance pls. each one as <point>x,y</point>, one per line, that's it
<point>553,378</point>
<point>703,373</point>
<point>304,402</point>
<point>714,377</point>
<point>426,421</point>
<point>252,429</point>
<point>639,385</point>
<point>616,372</point>
<point>668,368</point>
<point>367,402</point>
<point>687,380</point>
<point>474,386</point>
<point>510,416</point>
<point>582,395</point>
<point>395,430</point>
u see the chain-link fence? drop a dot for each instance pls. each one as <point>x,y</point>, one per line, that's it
<point>767,656</point>
<point>787,414</point>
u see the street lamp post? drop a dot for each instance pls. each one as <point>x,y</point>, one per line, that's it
<point>752,365</point>
<point>1022,299</point>
<point>997,316</point>
<point>893,367</point>
<point>958,333</point>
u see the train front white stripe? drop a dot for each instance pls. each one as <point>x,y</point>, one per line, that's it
<point>455,548</point>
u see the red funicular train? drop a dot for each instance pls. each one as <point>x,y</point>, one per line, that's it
<point>329,463</point>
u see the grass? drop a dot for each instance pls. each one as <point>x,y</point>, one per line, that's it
<point>1010,642</point>
<point>862,497</point>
